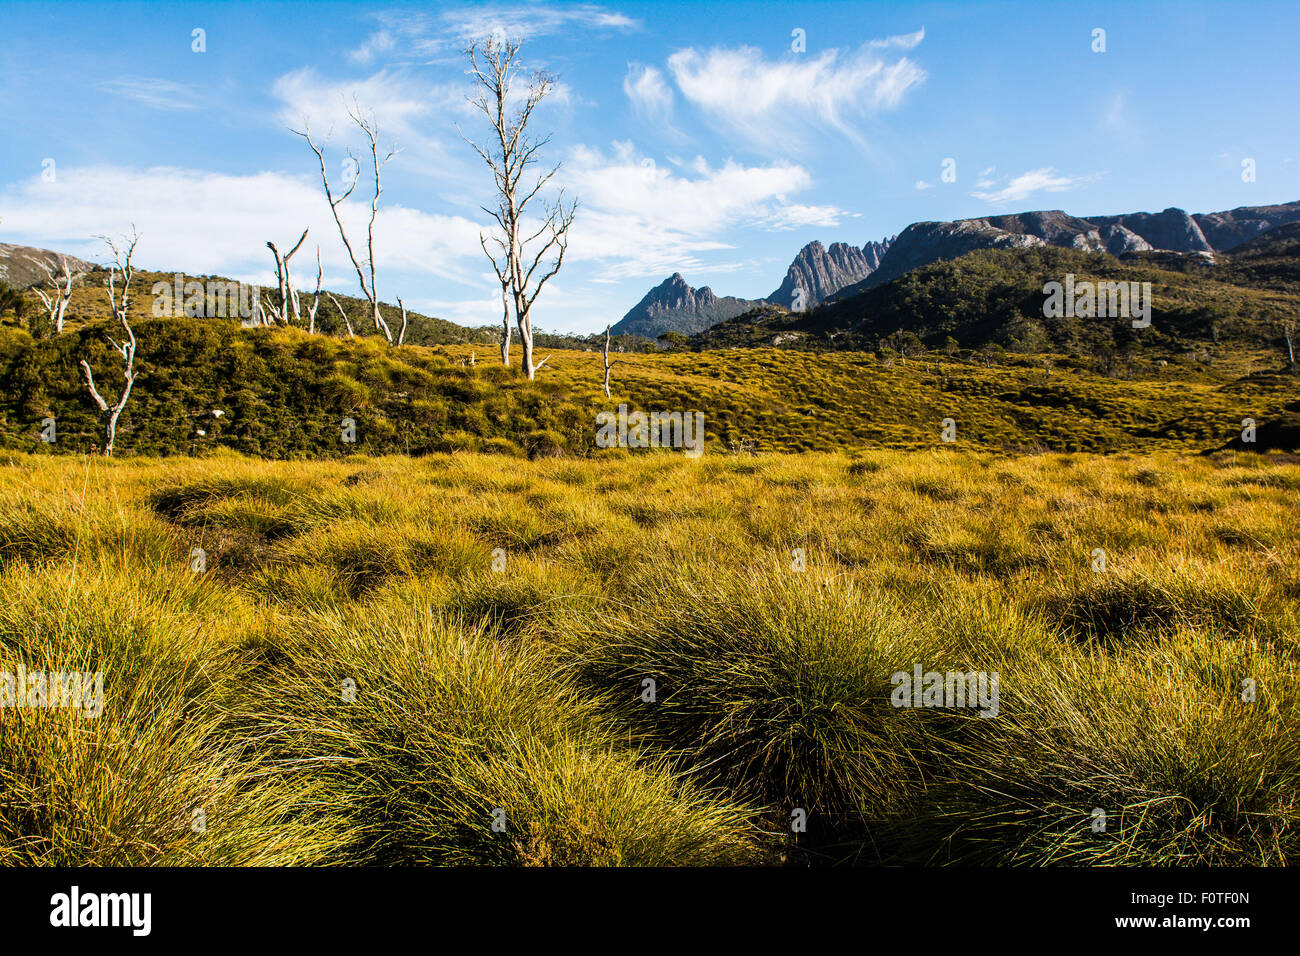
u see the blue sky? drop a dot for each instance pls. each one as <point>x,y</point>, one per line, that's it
<point>694,136</point>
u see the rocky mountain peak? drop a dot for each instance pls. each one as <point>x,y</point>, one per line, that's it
<point>820,271</point>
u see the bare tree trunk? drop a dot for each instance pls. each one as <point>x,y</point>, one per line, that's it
<point>315,302</point>
<point>368,289</point>
<point>56,304</point>
<point>348,324</point>
<point>109,414</point>
<point>1288,331</point>
<point>607,361</point>
<point>508,154</point>
<point>288,296</point>
<point>505,326</point>
<point>401,336</point>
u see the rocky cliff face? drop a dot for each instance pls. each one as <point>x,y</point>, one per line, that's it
<point>924,242</point>
<point>1172,229</point>
<point>820,272</point>
<point>674,306</point>
<point>1226,230</point>
<point>875,251</point>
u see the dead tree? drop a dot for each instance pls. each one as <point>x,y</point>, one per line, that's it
<point>608,363</point>
<point>1288,325</point>
<point>56,302</point>
<point>346,323</point>
<point>288,295</point>
<point>315,302</point>
<point>524,262</point>
<point>504,279</point>
<point>401,336</point>
<point>109,414</point>
<point>371,130</point>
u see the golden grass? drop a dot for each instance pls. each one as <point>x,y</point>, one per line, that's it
<point>499,620</point>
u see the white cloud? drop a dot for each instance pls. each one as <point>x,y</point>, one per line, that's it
<point>641,219</point>
<point>212,223</point>
<point>1035,181</point>
<point>922,184</point>
<point>381,41</point>
<point>405,108</point>
<point>444,35</point>
<point>650,94</point>
<point>152,91</point>
<point>521,21</point>
<point>903,41</point>
<point>768,100</point>
<point>799,216</point>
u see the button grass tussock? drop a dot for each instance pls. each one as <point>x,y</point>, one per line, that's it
<point>645,660</point>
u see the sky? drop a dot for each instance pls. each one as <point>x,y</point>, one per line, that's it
<point>712,139</point>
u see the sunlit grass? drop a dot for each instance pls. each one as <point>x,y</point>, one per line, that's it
<point>499,622</point>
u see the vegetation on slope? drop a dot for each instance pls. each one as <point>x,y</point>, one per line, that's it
<point>995,297</point>
<point>284,394</point>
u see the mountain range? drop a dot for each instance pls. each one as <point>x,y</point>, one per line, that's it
<point>1200,307</point>
<point>843,271</point>
<point>675,306</point>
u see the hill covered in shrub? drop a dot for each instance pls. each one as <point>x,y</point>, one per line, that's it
<point>284,394</point>
<point>995,298</point>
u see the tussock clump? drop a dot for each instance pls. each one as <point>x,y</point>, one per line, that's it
<point>776,686</point>
<point>451,731</point>
<point>1158,739</point>
<point>1115,605</point>
<point>365,555</point>
<point>152,779</point>
<point>521,598</point>
<point>176,502</point>
<point>47,524</point>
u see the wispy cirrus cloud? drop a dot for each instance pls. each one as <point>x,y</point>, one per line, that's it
<point>153,91</point>
<point>649,92</point>
<point>445,33</point>
<point>519,21</point>
<point>1034,181</point>
<point>767,100</point>
<point>415,114</point>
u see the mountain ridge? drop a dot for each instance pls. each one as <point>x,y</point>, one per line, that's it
<point>675,306</point>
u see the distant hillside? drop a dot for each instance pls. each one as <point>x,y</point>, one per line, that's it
<point>89,303</point>
<point>673,306</point>
<point>995,298</point>
<point>283,394</point>
<point>1227,230</point>
<point>24,266</point>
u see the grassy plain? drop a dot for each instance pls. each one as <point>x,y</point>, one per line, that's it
<point>383,656</point>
